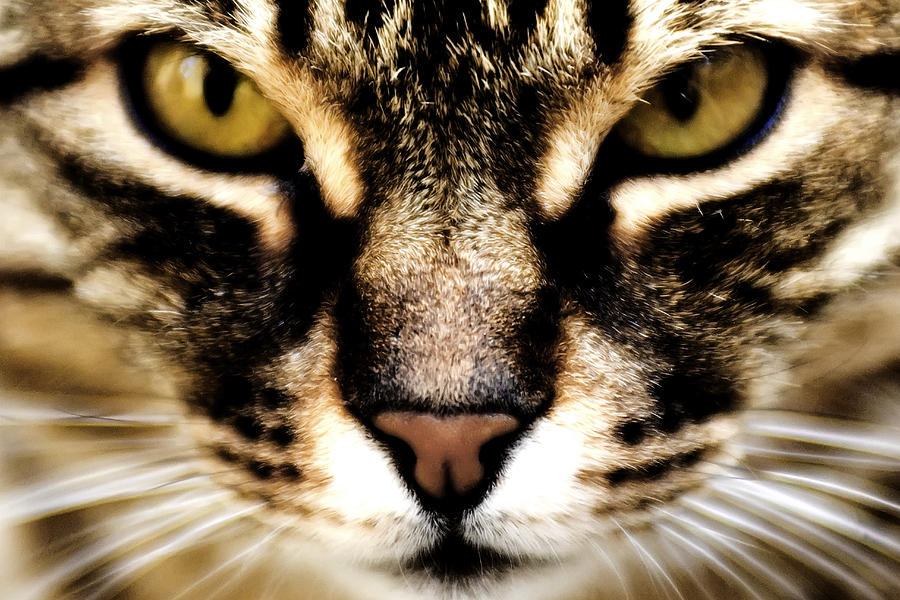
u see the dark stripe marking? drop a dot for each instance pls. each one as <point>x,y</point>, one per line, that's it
<point>293,25</point>
<point>523,14</point>
<point>272,398</point>
<point>34,281</point>
<point>289,471</point>
<point>654,470</point>
<point>248,426</point>
<point>202,248</point>
<point>233,393</point>
<point>610,22</point>
<point>227,454</point>
<point>260,469</point>
<point>632,433</point>
<point>370,14</point>
<point>445,15</point>
<point>35,74</point>
<point>685,397</point>
<point>877,71</point>
<point>283,435</point>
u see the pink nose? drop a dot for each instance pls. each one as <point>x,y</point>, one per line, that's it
<point>446,448</point>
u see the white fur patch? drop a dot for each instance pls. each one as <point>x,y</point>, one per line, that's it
<point>536,509</point>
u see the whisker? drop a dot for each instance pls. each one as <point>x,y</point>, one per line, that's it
<point>782,542</point>
<point>712,558</point>
<point>125,533</point>
<point>833,545</point>
<point>273,586</point>
<point>179,541</point>
<point>12,415</point>
<point>834,433</point>
<point>708,529</point>
<point>763,572</point>
<point>94,446</point>
<point>134,517</point>
<point>167,471</point>
<point>830,514</point>
<point>251,550</point>
<point>615,568</point>
<point>676,556</point>
<point>835,484</point>
<point>823,458</point>
<point>646,557</point>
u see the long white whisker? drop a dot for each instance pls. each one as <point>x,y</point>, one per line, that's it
<point>783,541</point>
<point>125,533</point>
<point>828,458</point>
<point>17,415</point>
<point>828,543</point>
<point>92,446</point>
<point>273,586</point>
<point>126,480</point>
<point>647,558</point>
<point>708,529</point>
<point>615,568</point>
<point>833,433</point>
<point>851,524</point>
<point>252,549</point>
<point>841,550</point>
<point>763,572</point>
<point>127,570</point>
<point>711,557</point>
<point>686,569</point>
<point>839,485</point>
<point>136,516</point>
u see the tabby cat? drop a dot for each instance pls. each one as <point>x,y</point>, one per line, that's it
<point>509,299</point>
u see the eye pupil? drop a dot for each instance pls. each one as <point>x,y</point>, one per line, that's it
<point>681,93</point>
<point>219,85</point>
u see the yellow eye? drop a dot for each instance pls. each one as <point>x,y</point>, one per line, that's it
<point>702,108</point>
<point>200,101</point>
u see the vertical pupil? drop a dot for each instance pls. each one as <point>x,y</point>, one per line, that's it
<point>219,85</point>
<point>681,93</point>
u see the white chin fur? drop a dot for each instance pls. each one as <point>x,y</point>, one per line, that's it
<point>536,509</point>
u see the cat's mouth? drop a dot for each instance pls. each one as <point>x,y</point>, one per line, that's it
<point>454,559</point>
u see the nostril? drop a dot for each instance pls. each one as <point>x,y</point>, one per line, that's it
<point>447,450</point>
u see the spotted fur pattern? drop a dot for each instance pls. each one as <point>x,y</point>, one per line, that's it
<point>706,359</point>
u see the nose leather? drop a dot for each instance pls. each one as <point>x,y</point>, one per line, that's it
<point>446,448</point>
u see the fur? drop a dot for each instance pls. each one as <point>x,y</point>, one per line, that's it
<point>704,357</point>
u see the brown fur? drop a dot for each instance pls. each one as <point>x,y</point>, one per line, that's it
<point>458,252</point>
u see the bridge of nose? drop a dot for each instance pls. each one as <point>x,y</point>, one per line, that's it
<point>446,448</point>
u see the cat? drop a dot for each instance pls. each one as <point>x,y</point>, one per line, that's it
<point>553,299</point>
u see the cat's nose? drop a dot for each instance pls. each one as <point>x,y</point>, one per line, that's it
<point>453,454</point>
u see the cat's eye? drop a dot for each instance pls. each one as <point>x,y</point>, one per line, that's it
<point>198,104</point>
<point>703,108</point>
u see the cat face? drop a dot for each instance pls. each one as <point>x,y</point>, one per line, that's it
<point>461,292</point>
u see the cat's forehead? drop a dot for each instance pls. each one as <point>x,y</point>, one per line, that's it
<point>436,33</point>
<point>494,41</point>
<point>453,47</point>
<point>456,48</point>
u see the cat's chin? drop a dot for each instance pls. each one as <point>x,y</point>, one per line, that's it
<point>455,559</point>
<point>430,551</point>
